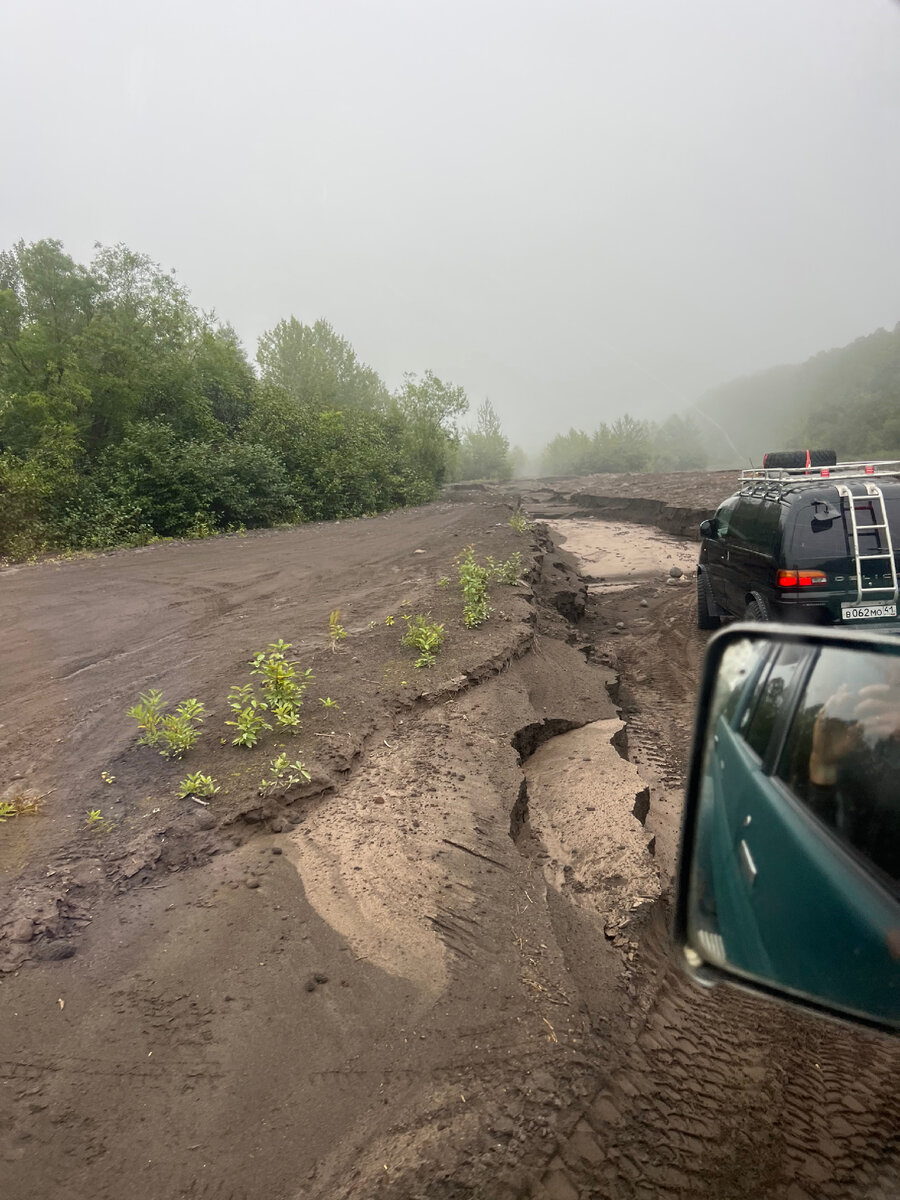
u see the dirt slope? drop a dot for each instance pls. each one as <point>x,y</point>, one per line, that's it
<point>275,996</point>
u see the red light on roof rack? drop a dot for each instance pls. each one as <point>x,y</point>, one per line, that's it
<point>870,470</point>
<point>825,473</point>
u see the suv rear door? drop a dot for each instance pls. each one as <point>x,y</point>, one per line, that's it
<point>825,545</point>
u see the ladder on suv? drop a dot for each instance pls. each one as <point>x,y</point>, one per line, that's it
<point>872,499</point>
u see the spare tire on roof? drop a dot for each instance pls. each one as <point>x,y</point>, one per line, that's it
<point>800,458</point>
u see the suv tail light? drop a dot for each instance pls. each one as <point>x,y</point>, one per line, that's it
<point>788,579</point>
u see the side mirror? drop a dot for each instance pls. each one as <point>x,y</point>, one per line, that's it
<point>789,872</point>
<point>710,528</point>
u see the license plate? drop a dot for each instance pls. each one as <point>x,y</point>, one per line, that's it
<point>867,612</point>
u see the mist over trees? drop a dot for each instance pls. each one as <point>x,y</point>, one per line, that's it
<point>847,399</point>
<point>126,414</point>
<point>628,444</point>
<point>484,450</point>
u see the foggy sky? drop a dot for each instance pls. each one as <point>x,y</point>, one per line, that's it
<point>573,208</point>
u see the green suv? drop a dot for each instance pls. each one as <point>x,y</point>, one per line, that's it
<point>813,545</point>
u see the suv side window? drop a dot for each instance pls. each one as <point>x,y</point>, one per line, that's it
<point>723,516</point>
<point>754,522</point>
<point>772,695</point>
<point>743,519</point>
<point>764,534</point>
<point>858,740</point>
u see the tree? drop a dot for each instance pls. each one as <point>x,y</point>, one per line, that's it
<point>128,414</point>
<point>339,463</point>
<point>677,445</point>
<point>137,355</point>
<point>39,459</point>
<point>630,440</point>
<point>569,453</point>
<point>318,367</point>
<point>520,462</point>
<point>47,301</point>
<point>430,409</point>
<point>485,451</point>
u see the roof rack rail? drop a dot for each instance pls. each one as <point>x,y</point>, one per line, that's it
<point>792,476</point>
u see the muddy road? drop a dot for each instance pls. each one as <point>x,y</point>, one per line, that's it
<point>439,967</point>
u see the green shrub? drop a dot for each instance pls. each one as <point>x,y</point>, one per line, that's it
<point>173,733</point>
<point>284,775</point>
<point>283,689</point>
<point>425,636</point>
<point>508,572</point>
<point>248,715</point>
<point>473,582</point>
<point>197,784</point>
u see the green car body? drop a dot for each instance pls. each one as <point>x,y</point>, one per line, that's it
<point>777,894</point>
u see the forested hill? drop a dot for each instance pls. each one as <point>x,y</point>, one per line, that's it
<point>847,399</point>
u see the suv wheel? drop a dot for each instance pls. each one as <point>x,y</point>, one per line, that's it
<point>706,618</point>
<point>756,611</point>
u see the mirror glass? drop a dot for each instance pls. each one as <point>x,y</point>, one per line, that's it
<point>794,870</point>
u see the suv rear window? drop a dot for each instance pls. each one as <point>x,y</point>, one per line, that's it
<point>817,539</point>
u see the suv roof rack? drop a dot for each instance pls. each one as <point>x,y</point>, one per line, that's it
<point>794,476</point>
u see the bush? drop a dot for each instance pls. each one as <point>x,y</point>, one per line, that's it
<point>425,636</point>
<point>473,582</point>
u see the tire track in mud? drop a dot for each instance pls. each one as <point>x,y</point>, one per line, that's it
<point>723,1095</point>
<point>719,1094</point>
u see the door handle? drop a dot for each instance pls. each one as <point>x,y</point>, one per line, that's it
<point>748,866</point>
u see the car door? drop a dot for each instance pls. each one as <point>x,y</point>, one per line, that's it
<point>801,903</point>
<point>748,562</point>
<point>717,556</point>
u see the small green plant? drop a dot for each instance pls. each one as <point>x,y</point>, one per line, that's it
<point>506,572</point>
<point>19,806</point>
<point>520,522</point>
<point>197,784</point>
<point>286,716</point>
<point>284,774</point>
<point>327,702</point>
<point>473,581</point>
<point>174,733</point>
<point>178,731</point>
<point>336,631</point>
<point>281,684</point>
<point>107,778</point>
<point>148,714</point>
<point>389,620</point>
<point>444,581</point>
<point>202,526</point>
<point>248,715</point>
<point>94,819</point>
<point>425,636</point>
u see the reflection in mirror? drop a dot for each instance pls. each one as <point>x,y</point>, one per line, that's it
<point>795,867</point>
